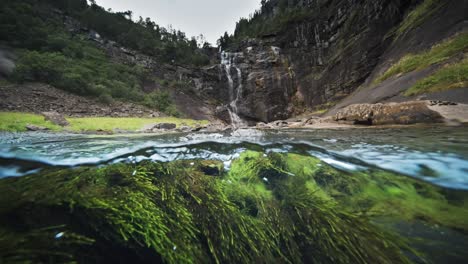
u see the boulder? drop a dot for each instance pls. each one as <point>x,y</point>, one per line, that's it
<point>55,118</point>
<point>30,127</point>
<point>211,167</point>
<point>184,129</point>
<point>158,127</point>
<point>389,114</point>
<point>165,126</point>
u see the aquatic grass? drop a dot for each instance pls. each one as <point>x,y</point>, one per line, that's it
<point>376,192</point>
<point>310,228</point>
<point>269,208</point>
<point>394,195</point>
<point>17,246</point>
<point>175,213</point>
<point>437,54</point>
<point>452,76</point>
<point>162,208</point>
<point>14,121</point>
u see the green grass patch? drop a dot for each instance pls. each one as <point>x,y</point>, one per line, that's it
<point>13,122</point>
<point>416,17</point>
<point>130,124</point>
<point>438,53</point>
<point>451,77</point>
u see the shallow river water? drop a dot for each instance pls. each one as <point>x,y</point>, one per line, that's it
<point>435,154</point>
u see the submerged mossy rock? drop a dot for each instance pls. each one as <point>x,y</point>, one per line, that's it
<point>275,208</point>
<point>175,213</point>
<point>211,167</point>
<point>370,192</point>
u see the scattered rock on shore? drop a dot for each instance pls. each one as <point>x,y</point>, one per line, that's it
<point>55,118</point>
<point>30,127</point>
<point>165,126</point>
<point>158,127</point>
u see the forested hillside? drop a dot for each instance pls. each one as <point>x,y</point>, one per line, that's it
<point>60,43</point>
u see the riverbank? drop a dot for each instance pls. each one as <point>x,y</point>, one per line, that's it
<point>18,122</point>
<point>433,113</point>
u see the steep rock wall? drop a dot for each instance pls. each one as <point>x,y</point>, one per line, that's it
<point>336,48</point>
<point>330,48</point>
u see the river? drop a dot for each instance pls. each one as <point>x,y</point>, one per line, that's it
<point>435,154</point>
<point>420,171</point>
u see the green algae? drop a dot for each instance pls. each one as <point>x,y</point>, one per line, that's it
<point>280,208</point>
<point>376,192</point>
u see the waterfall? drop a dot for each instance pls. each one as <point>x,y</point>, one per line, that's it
<point>228,62</point>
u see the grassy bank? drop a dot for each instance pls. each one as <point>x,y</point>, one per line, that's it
<point>437,54</point>
<point>416,17</point>
<point>16,122</point>
<point>450,77</point>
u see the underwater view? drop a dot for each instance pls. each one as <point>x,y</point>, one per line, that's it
<point>297,196</point>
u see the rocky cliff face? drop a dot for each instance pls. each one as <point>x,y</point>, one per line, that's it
<point>319,59</point>
<point>260,83</point>
<point>303,55</point>
<point>327,50</point>
<point>335,50</point>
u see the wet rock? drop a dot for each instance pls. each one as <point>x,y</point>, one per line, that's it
<point>197,128</point>
<point>158,127</point>
<point>280,124</point>
<point>211,167</point>
<point>262,125</point>
<point>184,129</point>
<point>165,126</point>
<point>30,127</point>
<point>215,127</point>
<point>222,113</point>
<point>154,114</point>
<point>121,131</point>
<point>55,118</point>
<point>441,103</point>
<point>389,114</point>
<point>312,120</point>
<point>259,82</point>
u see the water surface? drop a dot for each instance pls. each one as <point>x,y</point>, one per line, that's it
<point>435,154</point>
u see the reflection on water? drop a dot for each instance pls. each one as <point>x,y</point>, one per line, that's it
<point>437,155</point>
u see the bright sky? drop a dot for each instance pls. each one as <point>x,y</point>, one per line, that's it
<point>194,17</point>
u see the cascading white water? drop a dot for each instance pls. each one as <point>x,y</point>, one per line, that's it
<point>228,62</point>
